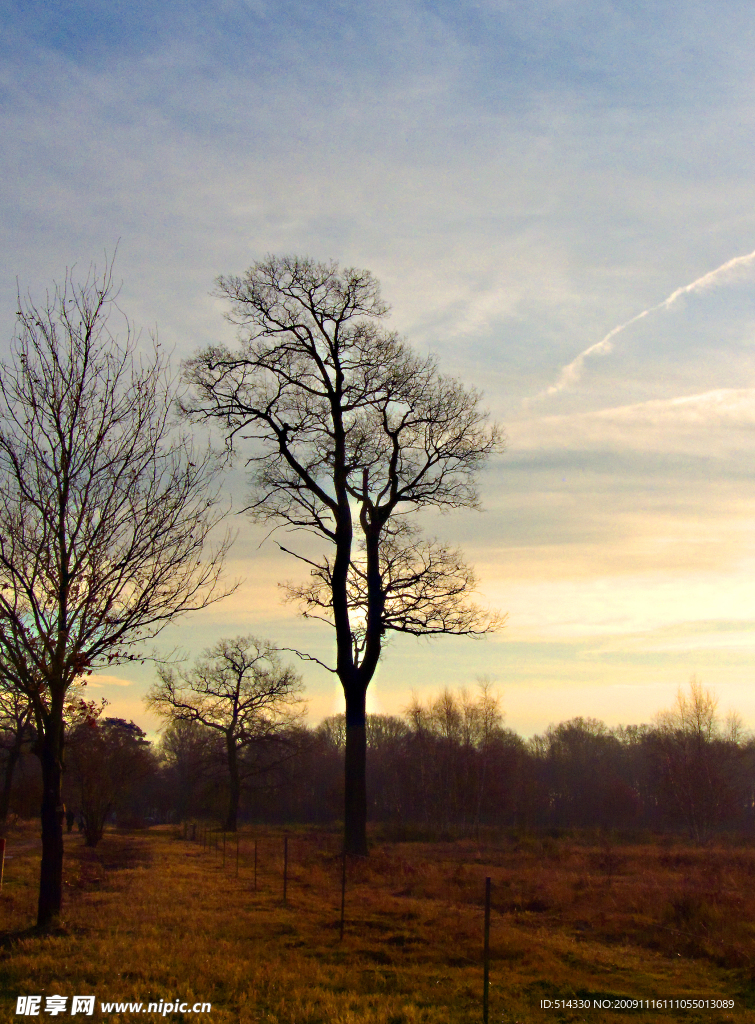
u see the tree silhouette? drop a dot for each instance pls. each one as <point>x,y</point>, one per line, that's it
<point>16,730</point>
<point>105,516</point>
<point>347,431</point>
<point>699,761</point>
<point>107,757</point>
<point>241,691</point>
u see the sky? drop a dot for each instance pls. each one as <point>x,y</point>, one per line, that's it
<point>558,200</point>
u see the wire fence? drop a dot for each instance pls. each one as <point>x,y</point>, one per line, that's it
<point>216,842</point>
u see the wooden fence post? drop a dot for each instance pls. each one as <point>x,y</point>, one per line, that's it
<point>486,969</point>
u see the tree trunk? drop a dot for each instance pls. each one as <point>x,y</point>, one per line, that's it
<point>235,786</point>
<point>10,765</point>
<point>355,789</point>
<point>53,813</point>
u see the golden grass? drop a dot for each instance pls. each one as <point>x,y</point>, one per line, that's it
<point>150,916</point>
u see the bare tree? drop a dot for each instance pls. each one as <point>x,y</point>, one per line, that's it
<point>700,762</point>
<point>105,515</point>
<point>193,763</point>
<point>452,739</point>
<point>348,430</point>
<point>241,690</point>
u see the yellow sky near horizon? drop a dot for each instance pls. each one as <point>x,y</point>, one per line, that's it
<point>557,200</point>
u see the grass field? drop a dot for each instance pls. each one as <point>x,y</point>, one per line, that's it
<point>150,916</point>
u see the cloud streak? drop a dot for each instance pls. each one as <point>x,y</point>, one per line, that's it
<point>571,373</point>
<point>718,423</point>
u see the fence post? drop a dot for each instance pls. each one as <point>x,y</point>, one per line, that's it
<point>285,868</point>
<point>343,891</point>
<point>255,865</point>
<point>486,970</point>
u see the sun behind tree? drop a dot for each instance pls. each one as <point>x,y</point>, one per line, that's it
<point>347,432</point>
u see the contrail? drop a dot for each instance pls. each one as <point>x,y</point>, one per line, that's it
<point>571,373</point>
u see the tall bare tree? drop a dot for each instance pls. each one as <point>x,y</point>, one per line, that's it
<point>240,690</point>
<point>347,430</point>
<point>105,515</point>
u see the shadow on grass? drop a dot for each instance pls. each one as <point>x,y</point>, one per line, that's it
<point>9,940</point>
<point>93,865</point>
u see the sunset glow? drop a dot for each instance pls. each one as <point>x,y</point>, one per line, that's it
<point>558,202</point>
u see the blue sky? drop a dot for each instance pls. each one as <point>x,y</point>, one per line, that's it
<point>523,178</point>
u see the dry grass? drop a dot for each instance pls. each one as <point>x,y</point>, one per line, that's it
<point>150,916</point>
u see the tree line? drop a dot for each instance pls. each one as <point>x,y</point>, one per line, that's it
<point>450,766</point>
<point>445,768</point>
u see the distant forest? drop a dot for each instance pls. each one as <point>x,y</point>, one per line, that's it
<point>443,769</point>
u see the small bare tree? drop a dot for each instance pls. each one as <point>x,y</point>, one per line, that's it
<point>700,761</point>
<point>192,765</point>
<point>105,516</point>
<point>241,690</point>
<point>348,431</point>
<point>452,736</point>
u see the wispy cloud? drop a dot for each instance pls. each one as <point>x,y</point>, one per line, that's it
<point>701,635</point>
<point>99,681</point>
<point>719,421</point>
<point>571,373</point>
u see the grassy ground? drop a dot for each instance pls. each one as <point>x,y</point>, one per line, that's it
<point>150,916</point>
